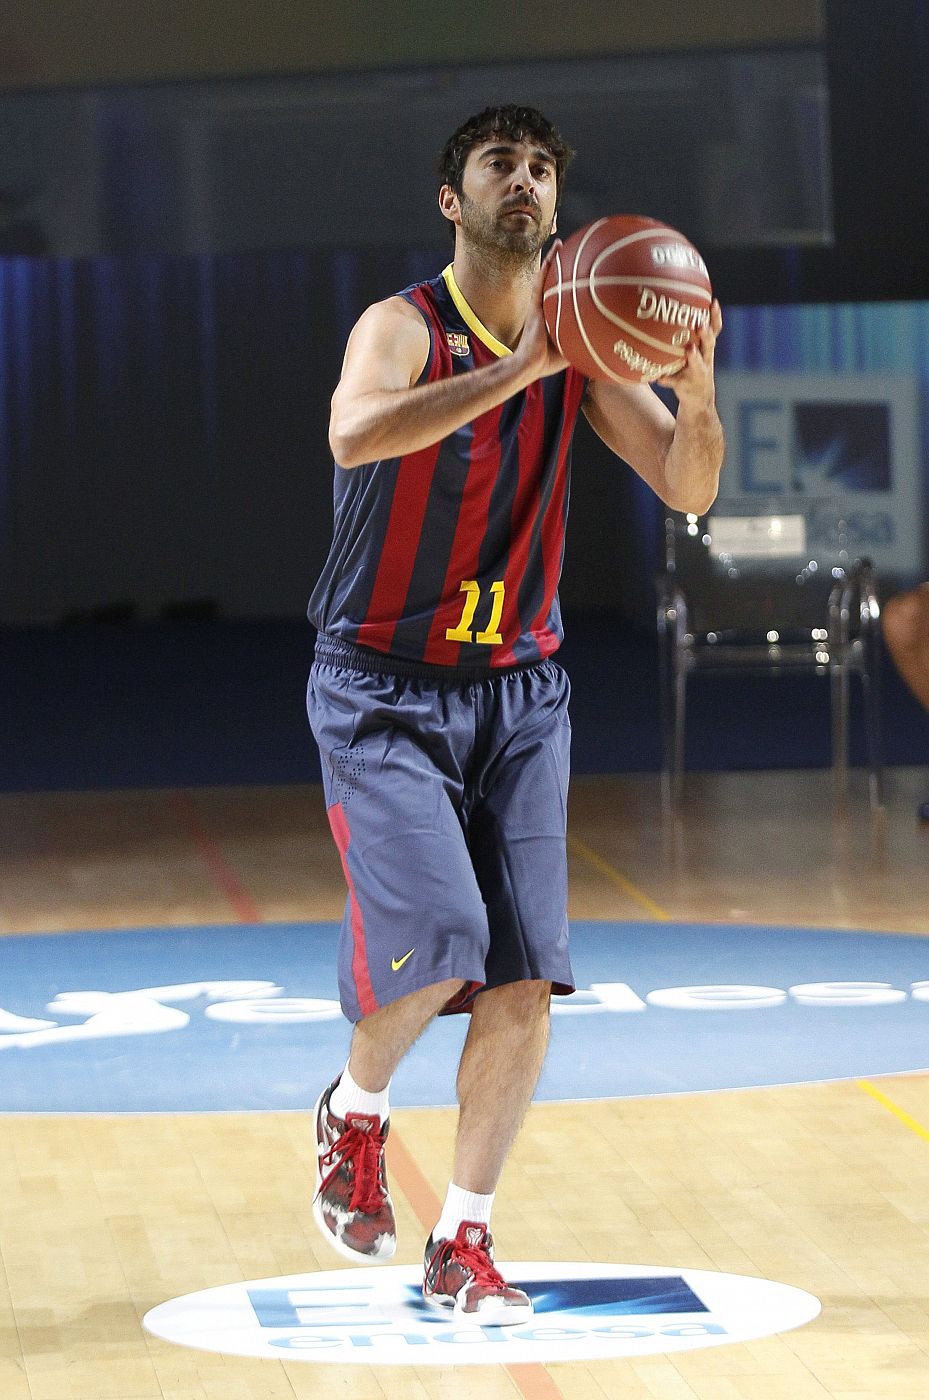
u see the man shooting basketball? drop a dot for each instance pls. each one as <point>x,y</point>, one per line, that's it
<point>440,714</point>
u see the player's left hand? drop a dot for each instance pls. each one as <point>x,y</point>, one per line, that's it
<point>536,350</point>
<point>693,382</point>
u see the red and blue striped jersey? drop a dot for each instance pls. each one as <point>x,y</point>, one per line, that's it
<point>451,556</point>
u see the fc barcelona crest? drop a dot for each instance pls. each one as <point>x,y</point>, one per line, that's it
<point>458,343</point>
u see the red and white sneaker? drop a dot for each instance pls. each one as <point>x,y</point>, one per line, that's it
<point>352,1206</point>
<point>460,1275</point>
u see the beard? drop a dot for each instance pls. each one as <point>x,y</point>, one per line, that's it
<point>495,235</point>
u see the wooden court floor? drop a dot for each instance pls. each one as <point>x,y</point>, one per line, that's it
<point>825,1187</point>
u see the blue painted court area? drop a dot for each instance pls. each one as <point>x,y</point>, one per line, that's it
<point>222,1018</point>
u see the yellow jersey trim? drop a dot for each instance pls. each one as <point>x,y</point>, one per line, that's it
<point>469,318</point>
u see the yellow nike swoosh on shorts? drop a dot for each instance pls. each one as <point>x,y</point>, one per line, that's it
<point>397,963</point>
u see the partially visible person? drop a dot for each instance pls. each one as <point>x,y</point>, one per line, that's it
<point>906,632</point>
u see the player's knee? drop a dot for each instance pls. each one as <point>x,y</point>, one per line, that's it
<point>524,998</point>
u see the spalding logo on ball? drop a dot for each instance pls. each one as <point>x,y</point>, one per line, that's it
<point>623,297</point>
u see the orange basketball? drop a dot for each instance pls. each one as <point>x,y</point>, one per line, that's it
<point>623,297</point>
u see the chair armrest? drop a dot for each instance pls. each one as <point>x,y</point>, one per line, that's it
<point>856,590</point>
<point>869,607</point>
<point>672,606</point>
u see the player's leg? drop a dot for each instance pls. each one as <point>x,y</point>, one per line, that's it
<point>380,1041</point>
<point>517,835</point>
<point>414,931</point>
<point>497,1075</point>
<point>352,1204</point>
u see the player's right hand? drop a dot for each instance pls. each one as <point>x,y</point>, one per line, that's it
<point>535,352</point>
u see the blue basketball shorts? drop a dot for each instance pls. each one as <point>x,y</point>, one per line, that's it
<point>448,803</point>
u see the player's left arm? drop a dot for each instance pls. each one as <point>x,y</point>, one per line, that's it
<point>680,457</point>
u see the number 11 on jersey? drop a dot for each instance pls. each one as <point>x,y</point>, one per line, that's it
<point>462,632</point>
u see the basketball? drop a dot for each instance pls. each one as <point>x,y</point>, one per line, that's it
<point>623,296</point>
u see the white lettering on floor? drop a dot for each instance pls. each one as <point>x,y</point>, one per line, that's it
<point>153,1010</point>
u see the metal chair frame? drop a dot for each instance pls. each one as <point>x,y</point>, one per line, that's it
<point>847,642</point>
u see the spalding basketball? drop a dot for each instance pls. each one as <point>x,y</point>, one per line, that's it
<point>623,297</point>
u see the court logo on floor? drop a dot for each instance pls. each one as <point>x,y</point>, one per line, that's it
<point>582,1312</point>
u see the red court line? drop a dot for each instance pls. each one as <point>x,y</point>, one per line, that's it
<point>531,1380</point>
<point>403,1167</point>
<point>184,808</point>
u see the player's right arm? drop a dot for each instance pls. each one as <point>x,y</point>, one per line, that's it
<point>380,411</point>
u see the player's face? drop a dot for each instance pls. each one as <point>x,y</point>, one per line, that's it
<point>508,196</point>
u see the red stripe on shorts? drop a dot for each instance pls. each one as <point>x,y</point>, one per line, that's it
<point>360,970</point>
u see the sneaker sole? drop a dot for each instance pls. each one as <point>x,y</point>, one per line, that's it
<point>505,1315</point>
<point>386,1251</point>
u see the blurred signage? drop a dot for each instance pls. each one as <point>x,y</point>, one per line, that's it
<point>843,451</point>
<point>757,536</point>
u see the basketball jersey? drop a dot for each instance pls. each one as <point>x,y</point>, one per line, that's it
<point>451,556</point>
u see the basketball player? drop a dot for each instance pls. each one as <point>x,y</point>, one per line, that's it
<point>906,631</point>
<point>439,710</point>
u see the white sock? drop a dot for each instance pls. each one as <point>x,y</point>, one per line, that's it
<point>462,1205</point>
<point>348,1097</point>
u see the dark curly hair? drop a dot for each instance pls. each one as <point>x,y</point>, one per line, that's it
<point>516,124</point>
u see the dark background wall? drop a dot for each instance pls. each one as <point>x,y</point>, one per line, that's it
<point>190,256</point>
<point>166,430</point>
<point>47,43</point>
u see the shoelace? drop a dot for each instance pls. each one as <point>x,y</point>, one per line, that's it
<point>473,1257</point>
<point>362,1153</point>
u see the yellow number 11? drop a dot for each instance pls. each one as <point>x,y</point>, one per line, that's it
<point>472,592</point>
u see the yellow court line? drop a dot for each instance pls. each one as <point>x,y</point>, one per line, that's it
<point>895,1109</point>
<point>618,878</point>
